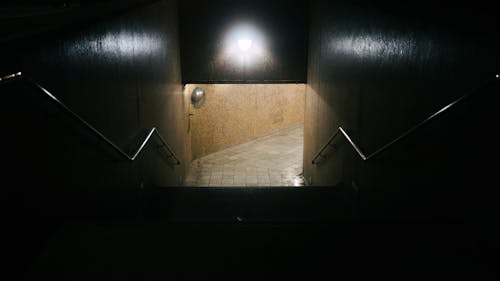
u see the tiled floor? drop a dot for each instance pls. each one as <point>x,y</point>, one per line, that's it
<point>273,160</point>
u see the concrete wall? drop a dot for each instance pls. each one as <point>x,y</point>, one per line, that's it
<point>236,113</point>
<point>121,73</point>
<point>377,70</point>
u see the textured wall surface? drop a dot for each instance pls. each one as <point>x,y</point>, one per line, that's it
<point>122,75</point>
<point>25,18</point>
<point>235,113</point>
<point>377,70</point>
<point>209,29</point>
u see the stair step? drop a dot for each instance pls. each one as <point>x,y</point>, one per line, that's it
<point>197,204</point>
<point>249,204</point>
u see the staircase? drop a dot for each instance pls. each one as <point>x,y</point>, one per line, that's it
<point>260,233</point>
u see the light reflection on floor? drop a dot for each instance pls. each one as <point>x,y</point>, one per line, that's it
<point>273,160</point>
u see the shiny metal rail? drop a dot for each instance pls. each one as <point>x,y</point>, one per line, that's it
<point>152,131</point>
<point>319,156</point>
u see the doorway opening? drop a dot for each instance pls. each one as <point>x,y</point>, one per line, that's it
<point>245,135</point>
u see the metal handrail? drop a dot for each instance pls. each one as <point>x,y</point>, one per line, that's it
<point>319,157</point>
<point>125,155</point>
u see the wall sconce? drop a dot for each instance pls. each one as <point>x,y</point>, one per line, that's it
<point>198,97</point>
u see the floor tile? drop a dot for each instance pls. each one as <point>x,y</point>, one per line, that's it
<point>273,160</point>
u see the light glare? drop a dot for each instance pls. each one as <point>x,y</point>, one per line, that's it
<point>120,44</point>
<point>245,44</point>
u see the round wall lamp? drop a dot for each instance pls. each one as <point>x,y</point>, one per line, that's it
<point>198,97</point>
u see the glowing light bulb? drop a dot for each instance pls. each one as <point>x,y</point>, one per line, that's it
<point>245,44</point>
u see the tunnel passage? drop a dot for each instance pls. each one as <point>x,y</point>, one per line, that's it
<point>246,135</point>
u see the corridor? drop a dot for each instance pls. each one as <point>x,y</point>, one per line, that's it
<point>272,160</point>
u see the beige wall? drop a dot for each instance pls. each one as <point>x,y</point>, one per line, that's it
<point>236,113</point>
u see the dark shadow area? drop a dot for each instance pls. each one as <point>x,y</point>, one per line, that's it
<point>192,234</point>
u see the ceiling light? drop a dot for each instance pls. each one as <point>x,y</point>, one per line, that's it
<point>244,44</point>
